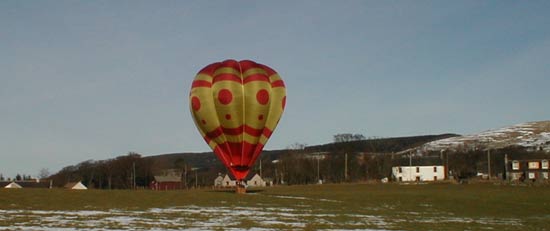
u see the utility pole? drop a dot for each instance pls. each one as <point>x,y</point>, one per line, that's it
<point>318,176</point>
<point>410,165</point>
<point>410,159</point>
<point>448,169</point>
<point>276,176</point>
<point>134,174</point>
<point>506,167</point>
<point>441,158</point>
<point>196,179</point>
<point>489,163</point>
<point>446,163</point>
<point>346,167</point>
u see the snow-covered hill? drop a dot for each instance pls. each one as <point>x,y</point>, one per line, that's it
<point>532,135</point>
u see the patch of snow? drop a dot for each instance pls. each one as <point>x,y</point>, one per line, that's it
<point>225,217</point>
<point>292,197</point>
<point>534,135</point>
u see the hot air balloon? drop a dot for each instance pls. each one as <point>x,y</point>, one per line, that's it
<point>236,106</point>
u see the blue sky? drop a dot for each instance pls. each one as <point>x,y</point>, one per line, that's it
<point>96,79</point>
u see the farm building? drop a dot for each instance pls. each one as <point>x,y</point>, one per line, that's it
<point>418,173</point>
<point>255,181</point>
<point>532,170</point>
<point>75,186</point>
<point>170,182</point>
<point>228,181</point>
<point>10,185</point>
<point>28,184</point>
<point>218,182</point>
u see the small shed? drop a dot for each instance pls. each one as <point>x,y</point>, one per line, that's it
<point>218,182</point>
<point>170,182</point>
<point>13,185</point>
<point>256,181</point>
<point>228,181</point>
<point>75,186</point>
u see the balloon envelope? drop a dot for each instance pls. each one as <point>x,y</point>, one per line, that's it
<point>236,105</point>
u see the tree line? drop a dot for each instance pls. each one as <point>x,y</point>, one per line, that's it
<point>18,177</point>
<point>123,172</point>
<point>133,171</point>
<point>302,167</point>
<point>342,161</point>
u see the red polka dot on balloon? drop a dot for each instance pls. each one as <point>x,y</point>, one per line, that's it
<point>260,117</point>
<point>227,116</point>
<point>195,103</point>
<point>262,96</point>
<point>284,102</point>
<point>225,97</point>
<point>203,121</point>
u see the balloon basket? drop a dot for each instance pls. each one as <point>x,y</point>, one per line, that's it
<point>241,188</point>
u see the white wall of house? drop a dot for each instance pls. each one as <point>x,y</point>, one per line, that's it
<point>218,182</point>
<point>79,186</point>
<point>257,181</point>
<point>418,173</point>
<point>227,182</point>
<point>13,185</point>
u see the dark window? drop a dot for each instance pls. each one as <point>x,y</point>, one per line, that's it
<point>400,170</point>
<point>417,178</point>
<point>435,169</point>
<point>417,169</point>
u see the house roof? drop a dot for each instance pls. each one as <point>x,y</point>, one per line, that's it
<point>227,176</point>
<point>13,185</point>
<point>247,178</point>
<point>72,185</point>
<point>256,176</point>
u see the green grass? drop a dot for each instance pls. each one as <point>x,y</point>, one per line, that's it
<point>345,206</point>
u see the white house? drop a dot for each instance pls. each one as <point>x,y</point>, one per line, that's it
<point>228,182</point>
<point>256,181</point>
<point>218,182</point>
<point>75,186</point>
<point>418,173</point>
<point>13,185</point>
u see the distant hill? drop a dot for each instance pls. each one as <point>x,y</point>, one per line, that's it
<point>526,140</point>
<point>380,145</point>
<point>531,136</point>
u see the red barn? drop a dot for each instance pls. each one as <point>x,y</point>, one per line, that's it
<point>172,182</point>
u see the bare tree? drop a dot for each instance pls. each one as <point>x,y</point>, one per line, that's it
<point>348,137</point>
<point>297,146</point>
<point>43,173</point>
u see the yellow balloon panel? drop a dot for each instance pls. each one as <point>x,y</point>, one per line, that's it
<point>236,106</point>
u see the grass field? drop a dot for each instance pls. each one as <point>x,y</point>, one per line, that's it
<point>314,207</point>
